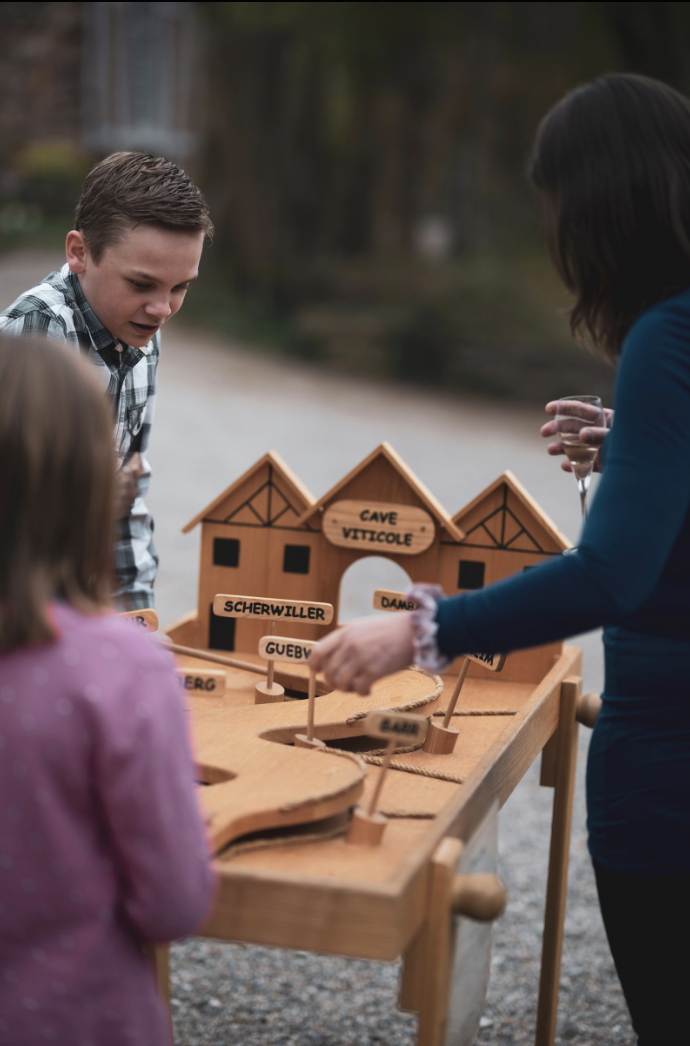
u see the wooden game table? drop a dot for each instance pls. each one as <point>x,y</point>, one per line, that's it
<point>313,891</point>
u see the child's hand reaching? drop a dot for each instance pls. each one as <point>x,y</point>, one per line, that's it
<point>354,657</point>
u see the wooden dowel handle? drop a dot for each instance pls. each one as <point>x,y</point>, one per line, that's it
<point>481,896</point>
<point>379,784</point>
<point>587,710</point>
<point>271,664</point>
<point>204,655</point>
<point>456,692</point>
<point>310,707</point>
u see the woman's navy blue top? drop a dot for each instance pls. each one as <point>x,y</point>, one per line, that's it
<point>631,574</point>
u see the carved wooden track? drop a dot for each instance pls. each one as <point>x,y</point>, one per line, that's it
<point>256,780</point>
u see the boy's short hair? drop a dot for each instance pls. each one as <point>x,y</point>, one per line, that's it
<point>127,189</point>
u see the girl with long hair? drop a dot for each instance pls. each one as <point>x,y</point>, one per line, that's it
<point>102,845</point>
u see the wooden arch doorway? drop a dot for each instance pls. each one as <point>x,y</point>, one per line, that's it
<point>361,579</point>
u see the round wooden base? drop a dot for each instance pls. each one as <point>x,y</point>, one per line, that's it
<point>440,740</point>
<point>302,741</point>
<point>366,829</point>
<point>264,696</point>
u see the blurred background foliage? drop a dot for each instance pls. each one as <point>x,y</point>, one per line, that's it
<point>365,163</point>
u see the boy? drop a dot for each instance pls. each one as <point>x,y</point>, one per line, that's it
<point>139,231</point>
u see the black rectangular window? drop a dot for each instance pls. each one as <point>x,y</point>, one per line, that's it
<point>226,552</point>
<point>471,574</point>
<point>221,631</point>
<point>296,559</point>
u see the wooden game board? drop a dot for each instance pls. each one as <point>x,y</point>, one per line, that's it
<point>378,902</point>
<point>297,882</point>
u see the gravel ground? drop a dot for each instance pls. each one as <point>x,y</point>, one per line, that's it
<point>219,409</point>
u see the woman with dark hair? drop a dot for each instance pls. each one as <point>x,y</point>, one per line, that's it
<point>102,846</point>
<point>612,164</point>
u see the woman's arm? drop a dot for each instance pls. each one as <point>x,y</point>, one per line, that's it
<point>642,502</point>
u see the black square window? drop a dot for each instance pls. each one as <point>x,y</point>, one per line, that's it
<point>221,632</point>
<point>296,559</point>
<point>471,574</point>
<point>226,552</point>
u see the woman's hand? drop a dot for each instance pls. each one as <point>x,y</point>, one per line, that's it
<point>355,656</point>
<point>594,436</point>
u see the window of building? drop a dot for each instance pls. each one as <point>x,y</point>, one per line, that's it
<point>226,552</point>
<point>221,632</point>
<point>296,559</point>
<point>471,574</point>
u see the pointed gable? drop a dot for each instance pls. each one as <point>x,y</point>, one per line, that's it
<point>384,476</point>
<point>505,516</point>
<point>268,494</point>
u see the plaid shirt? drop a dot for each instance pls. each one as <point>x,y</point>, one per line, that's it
<point>57,308</point>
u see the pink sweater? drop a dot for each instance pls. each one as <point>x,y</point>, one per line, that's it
<point>102,845</point>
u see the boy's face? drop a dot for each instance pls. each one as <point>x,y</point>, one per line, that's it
<point>140,280</point>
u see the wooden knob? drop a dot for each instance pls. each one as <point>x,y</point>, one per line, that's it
<point>481,896</point>
<point>588,708</point>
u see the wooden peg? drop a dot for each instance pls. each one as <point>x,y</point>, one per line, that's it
<point>480,896</point>
<point>587,709</point>
<point>367,827</point>
<point>146,619</point>
<point>269,692</point>
<point>442,737</point>
<point>308,740</point>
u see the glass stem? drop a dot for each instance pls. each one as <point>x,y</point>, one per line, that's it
<point>583,498</point>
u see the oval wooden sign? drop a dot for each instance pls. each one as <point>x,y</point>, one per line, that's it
<point>292,610</point>
<point>396,725</point>
<point>280,648</point>
<point>386,599</point>
<point>377,526</point>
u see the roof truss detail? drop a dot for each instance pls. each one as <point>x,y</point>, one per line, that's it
<point>266,507</point>
<point>502,529</point>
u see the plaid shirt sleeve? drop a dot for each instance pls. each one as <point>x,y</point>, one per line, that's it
<point>136,559</point>
<point>36,321</point>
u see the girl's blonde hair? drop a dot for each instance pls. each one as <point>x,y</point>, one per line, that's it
<point>57,474</point>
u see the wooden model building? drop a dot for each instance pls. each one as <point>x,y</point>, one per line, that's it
<point>297,868</point>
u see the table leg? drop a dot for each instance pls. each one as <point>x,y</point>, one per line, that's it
<point>428,962</point>
<point>559,764</point>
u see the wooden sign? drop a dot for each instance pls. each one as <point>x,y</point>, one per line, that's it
<point>377,526</point>
<point>494,662</point>
<point>291,610</point>
<point>146,619</point>
<point>278,648</point>
<point>396,726</point>
<point>203,680</point>
<point>385,599</point>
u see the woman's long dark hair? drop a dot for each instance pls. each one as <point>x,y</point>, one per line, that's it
<point>57,471</point>
<point>612,161</point>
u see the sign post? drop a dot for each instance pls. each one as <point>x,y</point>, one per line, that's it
<point>442,737</point>
<point>278,648</point>
<point>367,827</point>
<point>273,610</point>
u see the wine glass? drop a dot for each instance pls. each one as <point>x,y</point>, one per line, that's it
<point>574,414</point>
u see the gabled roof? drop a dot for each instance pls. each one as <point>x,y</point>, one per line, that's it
<point>294,484</point>
<point>386,451</point>
<point>511,481</point>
